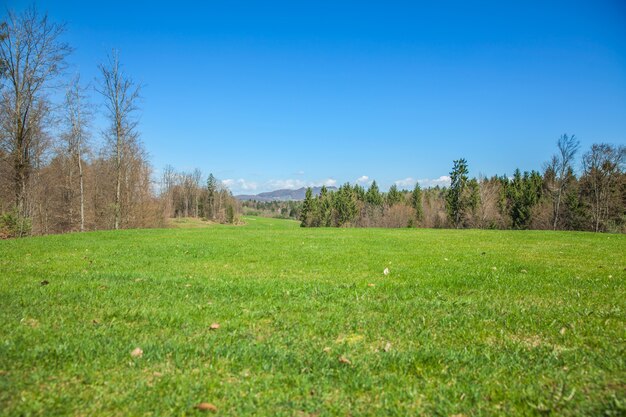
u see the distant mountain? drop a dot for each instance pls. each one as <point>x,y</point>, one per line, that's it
<point>282,195</point>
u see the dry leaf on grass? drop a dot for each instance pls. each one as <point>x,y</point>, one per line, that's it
<point>214,326</point>
<point>371,285</point>
<point>206,407</point>
<point>343,359</point>
<point>136,353</point>
<point>387,347</point>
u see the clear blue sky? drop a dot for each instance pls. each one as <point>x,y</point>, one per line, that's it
<point>267,94</point>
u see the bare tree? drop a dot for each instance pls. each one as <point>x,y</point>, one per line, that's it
<point>559,171</point>
<point>603,168</point>
<point>77,115</point>
<point>33,56</point>
<point>120,95</point>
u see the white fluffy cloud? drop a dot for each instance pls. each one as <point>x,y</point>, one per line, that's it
<point>240,184</point>
<point>409,182</point>
<point>363,180</point>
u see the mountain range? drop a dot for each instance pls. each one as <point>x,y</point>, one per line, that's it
<point>282,195</point>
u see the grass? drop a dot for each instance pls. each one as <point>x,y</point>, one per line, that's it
<point>468,322</point>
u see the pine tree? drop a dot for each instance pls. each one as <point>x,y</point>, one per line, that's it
<point>393,196</point>
<point>373,195</point>
<point>307,208</point>
<point>416,202</point>
<point>456,203</point>
<point>211,186</point>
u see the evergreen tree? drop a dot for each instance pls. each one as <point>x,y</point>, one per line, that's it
<point>344,204</point>
<point>416,202</point>
<point>373,195</point>
<point>456,203</point>
<point>473,195</point>
<point>211,188</point>
<point>307,208</point>
<point>523,193</point>
<point>394,196</point>
<point>324,208</point>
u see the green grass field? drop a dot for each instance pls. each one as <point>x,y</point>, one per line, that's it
<point>468,322</point>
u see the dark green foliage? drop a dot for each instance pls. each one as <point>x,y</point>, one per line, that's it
<point>230,214</point>
<point>12,224</point>
<point>345,205</point>
<point>373,196</point>
<point>211,187</point>
<point>456,199</point>
<point>393,196</point>
<point>416,202</point>
<point>473,199</point>
<point>523,193</point>
<point>307,209</point>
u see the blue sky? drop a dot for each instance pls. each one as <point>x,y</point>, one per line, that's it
<point>282,94</point>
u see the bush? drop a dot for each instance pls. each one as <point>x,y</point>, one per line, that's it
<point>14,225</point>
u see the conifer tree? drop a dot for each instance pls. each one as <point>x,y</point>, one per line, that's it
<point>393,196</point>
<point>307,208</point>
<point>456,203</point>
<point>416,202</point>
<point>373,195</point>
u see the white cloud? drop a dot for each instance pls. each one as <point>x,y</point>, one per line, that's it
<point>443,181</point>
<point>329,182</point>
<point>363,180</point>
<point>290,184</point>
<point>242,186</point>
<point>239,185</point>
<point>409,182</point>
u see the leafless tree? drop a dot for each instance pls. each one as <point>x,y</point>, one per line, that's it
<point>77,116</point>
<point>559,171</point>
<point>33,56</point>
<point>120,95</point>
<point>603,169</point>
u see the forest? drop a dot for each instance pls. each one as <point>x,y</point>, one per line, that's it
<point>556,199</point>
<point>58,173</point>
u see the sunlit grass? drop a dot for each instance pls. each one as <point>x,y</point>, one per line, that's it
<point>471,322</point>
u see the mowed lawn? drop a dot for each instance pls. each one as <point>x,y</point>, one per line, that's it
<point>467,322</point>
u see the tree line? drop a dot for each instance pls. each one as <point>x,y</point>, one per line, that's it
<point>185,194</point>
<point>57,174</point>
<point>554,199</point>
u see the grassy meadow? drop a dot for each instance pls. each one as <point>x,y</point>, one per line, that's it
<point>467,322</point>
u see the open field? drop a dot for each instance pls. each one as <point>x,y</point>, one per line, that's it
<point>467,322</point>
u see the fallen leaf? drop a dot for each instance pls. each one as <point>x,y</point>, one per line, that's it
<point>157,374</point>
<point>136,353</point>
<point>387,347</point>
<point>563,331</point>
<point>371,285</point>
<point>523,271</point>
<point>214,326</point>
<point>326,349</point>
<point>206,407</point>
<point>343,359</point>
<point>44,282</point>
